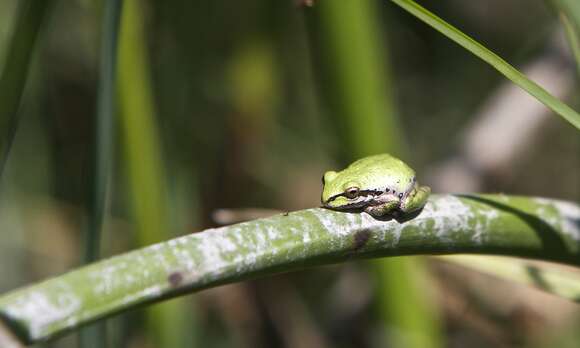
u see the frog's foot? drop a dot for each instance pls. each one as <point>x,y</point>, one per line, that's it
<point>382,209</point>
<point>416,199</point>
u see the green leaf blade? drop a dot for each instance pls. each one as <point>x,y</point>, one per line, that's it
<point>492,59</point>
<point>478,224</point>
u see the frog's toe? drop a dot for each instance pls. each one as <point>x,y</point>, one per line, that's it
<point>416,199</point>
<point>381,209</point>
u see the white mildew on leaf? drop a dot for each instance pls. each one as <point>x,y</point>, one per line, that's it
<point>543,201</point>
<point>105,278</point>
<point>396,232</point>
<point>184,258</point>
<point>546,210</point>
<point>141,295</point>
<point>565,218</point>
<point>503,197</point>
<point>236,247</point>
<point>160,259</point>
<point>211,257</point>
<point>450,214</point>
<point>331,223</point>
<point>304,231</point>
<point>156,247</point>
<point>482,227</point>
<point>184,240</point>
<point>262,241</point>
<point>305,237</point>
<point>298,238</point>
<point>72,321</point>
<point>39,310</point>
<point>237,238</point>
<point>258,246</point>
<point>384,229</point>
<point>381,228</point>
<point>354,219</point>
<point>130,279</point>
<point>272,232</point>
<point>228,245</point>
<point>570,216</point>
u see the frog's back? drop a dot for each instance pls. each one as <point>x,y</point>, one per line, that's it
<point>385,171</point>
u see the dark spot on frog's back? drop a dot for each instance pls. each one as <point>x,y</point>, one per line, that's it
<point>175,279</point>
<point>361,238</point>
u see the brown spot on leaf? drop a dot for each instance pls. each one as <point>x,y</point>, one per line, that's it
<point>175,279</point>
<point>361,238</point>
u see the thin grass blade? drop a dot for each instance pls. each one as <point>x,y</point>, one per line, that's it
<point>492,59</point>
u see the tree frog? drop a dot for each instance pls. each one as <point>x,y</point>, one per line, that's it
<point>379,185</point>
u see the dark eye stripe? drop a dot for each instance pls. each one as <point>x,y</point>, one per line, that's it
<point>372,192</point>
<point>360,193</point>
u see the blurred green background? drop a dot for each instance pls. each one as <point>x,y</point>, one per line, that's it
<point>242,106</point>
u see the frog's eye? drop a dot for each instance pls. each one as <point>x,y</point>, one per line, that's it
<point>351,192</point>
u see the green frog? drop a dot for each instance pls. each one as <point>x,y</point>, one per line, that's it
<point>379,185</point>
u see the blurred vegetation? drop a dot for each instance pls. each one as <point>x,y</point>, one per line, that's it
<point>226,105</point>
<point>352,61</point>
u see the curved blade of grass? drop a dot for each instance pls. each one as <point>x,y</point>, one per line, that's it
<point>486,224</point>
<point>559,281</point>
<point>492,59</point>
<point>31,14</point>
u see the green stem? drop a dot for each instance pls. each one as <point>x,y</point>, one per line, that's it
<point>31,14</point>
<point>140,140</point>
<point>360,90</point>
<point>103,150</point>
<point>146,177</point>
<point>104,130</point>
<point>486,224</point>
<point>357,83</point>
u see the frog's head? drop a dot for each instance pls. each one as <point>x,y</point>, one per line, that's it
<point>342,192</point>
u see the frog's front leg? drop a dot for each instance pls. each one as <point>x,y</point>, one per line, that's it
<point>416,199</point>
<point>386,205</point>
